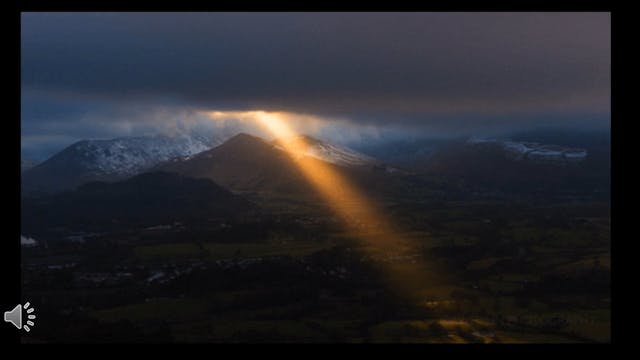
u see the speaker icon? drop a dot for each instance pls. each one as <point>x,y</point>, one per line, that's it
<point>15,316</point>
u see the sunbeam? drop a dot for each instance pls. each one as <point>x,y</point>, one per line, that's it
<point>365,221</point>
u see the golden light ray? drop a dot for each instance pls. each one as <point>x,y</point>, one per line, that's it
<point>365,222</point>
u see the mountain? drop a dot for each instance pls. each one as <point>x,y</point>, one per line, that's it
<point>242,163</point>
<point>247,163</point>
<point>534,151</point>
<point>571,137</point>
<point>521,167</point>
<point>108,160</point>
<point>559,161</point>
<point>146,199</point>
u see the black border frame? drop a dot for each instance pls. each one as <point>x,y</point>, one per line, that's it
<point>11,250</point>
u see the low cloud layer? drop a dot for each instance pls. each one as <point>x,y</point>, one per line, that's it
<point>89,75</point>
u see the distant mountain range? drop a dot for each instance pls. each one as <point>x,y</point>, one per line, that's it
<point>535,152</point>
<point>152,181</point>
<point>514,167</point>
<point>542,144</point>
<point>249,164</point>
<point>108,160</point>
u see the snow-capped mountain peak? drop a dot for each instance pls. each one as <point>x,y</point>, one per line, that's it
<point>113,159</point>
<point>127,156</point>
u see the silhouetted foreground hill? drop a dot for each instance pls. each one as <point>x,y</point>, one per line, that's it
<point>146,199</point>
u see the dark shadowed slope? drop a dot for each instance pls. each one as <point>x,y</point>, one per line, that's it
<point>250,164</point>
<point>489,166</point>
<point>146,199</point>
<point>242,163</point>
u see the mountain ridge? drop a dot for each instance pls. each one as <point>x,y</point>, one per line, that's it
<point>247,163</point>
<point>146,199</point>
<point>108,160</point>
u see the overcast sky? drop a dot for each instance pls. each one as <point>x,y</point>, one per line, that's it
<point>102,75</point>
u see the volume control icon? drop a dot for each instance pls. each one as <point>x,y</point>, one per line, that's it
<point>15,316</point>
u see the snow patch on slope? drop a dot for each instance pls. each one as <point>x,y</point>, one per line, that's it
<point>332,153</point>
<point>536,152</point>
<point>338,155</point>
<point>27,241</point>
<point>128,156</point>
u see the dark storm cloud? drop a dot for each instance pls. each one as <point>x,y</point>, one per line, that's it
<point>344,62</point>
<point>417,69</point>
